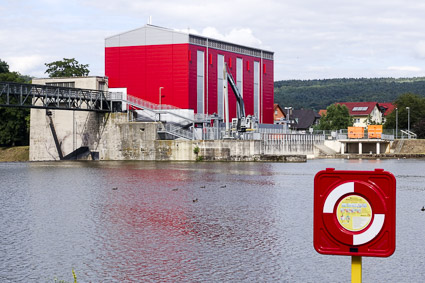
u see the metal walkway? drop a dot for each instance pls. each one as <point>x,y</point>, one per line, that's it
<point>53,97</point>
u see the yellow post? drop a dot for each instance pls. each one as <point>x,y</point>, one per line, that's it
<point>356,269</point>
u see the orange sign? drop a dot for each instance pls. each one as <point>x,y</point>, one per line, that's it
<point>374,131</point>
<point>355,132</point>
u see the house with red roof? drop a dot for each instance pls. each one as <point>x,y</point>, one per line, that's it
<point>322,112</point>
<point>361,111</point>
<point>386,108</point>
<point>279,115</point>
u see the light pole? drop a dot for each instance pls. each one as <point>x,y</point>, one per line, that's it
<point>160,88</point>
<point>288,120</point>
<point>396,123</point>
<point>408,120</point>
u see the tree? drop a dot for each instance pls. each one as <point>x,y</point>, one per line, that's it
<point>337,117</point>
<point>67,68</point>
<point>419,128</point>
<point>4,67</point>
<point>416,113</point>
<point>14,126</point>
<point>416,106</point>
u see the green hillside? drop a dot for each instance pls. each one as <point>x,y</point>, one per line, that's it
<point>319,94</point>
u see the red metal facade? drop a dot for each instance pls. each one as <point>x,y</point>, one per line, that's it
<point>144,69</point>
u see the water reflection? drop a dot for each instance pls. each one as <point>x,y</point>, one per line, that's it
<point>250,222</point>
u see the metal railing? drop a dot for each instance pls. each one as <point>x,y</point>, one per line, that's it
<point>176,131</point>
<point>149,105</point>
<point>408,134</point>
<point>387,134</point>
<point>53,97</point>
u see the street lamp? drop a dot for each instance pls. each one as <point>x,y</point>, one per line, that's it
<point>408,120</point>
<point>396,123</point>
<point>288,120</point>
<point>160,88</point>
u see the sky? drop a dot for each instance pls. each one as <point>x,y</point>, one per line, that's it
<point>310,39</point>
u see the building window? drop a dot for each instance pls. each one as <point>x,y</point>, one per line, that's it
<point>102,85</point>
<point>239,78</point>
<point>200,82</point>
<point>62,84</point>
<point>220,85</point>
<point>257,89</point>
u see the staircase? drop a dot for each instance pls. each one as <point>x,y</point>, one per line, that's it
<point>176,131</point>
<point>400,144</point>
<point>325,150</point>
<point>152,112</point>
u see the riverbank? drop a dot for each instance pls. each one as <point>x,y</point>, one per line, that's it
<point>14,154</point>
<point>373,156</point>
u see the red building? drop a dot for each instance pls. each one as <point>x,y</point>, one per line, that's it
<point>187,70</point>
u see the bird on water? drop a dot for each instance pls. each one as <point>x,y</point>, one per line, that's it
<point>423,208</point>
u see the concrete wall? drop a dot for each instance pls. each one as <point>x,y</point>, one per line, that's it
<point>123,140</point>
<point>73,128</point>
<point>411,146</point>
<point>116,139</point>
<point>335,145</point>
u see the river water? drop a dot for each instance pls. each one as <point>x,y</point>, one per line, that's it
<point>188,222</point>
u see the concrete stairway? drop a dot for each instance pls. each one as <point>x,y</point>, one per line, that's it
<point>324,150</point>
<point>176,131</point>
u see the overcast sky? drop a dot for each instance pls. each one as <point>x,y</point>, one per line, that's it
<point>311,39</point>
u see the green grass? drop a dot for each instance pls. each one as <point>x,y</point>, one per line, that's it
<point>14,154</point>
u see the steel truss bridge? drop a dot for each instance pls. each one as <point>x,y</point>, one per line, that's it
<point>53,97</point>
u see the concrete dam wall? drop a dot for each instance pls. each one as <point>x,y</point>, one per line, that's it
<point>111,137</point>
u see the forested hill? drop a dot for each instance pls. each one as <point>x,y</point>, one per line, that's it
<point>319,94</point>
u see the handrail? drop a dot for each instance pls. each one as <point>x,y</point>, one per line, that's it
<point>150,105</point>
<point>178,131</point>
<point>165,109</point>
<point>410,134</point>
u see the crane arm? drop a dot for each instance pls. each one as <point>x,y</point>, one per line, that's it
<point>238,95</point>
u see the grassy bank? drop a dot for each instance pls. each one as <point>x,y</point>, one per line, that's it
<point>16,153</point>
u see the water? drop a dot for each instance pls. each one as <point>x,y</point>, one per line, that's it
<point>176,222</point>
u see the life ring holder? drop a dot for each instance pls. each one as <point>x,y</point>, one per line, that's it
<point>364,190</point>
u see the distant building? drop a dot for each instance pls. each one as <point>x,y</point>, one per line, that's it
<point>279,115</point>
<point>362,111</point>
<point>164,66</point>
<point>302,119</point>
<point>386,109</point>
<point>322,112</point>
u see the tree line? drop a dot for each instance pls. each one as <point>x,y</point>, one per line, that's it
<point>319,94</point>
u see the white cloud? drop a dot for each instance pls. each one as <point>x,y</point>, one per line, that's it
<point>350,38</point>
<point>26,64</point>
<point>243,36</point>
<point>404,68</point>
<point>420,49</point>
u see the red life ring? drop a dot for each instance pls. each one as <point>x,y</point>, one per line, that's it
<point>361,190</point>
